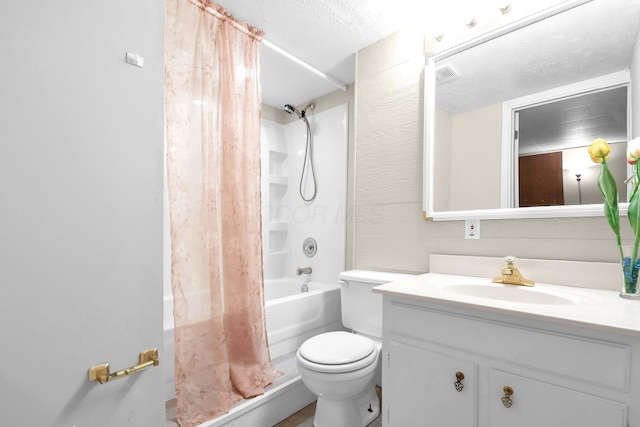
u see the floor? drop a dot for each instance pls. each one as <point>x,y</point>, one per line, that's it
<point>302,418</point>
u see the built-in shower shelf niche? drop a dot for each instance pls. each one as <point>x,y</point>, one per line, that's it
<point>278,189</point>
<point>279,254</point>
<point>279,180</point>
<point>277,161</point>
<point>279,152</point>
<point>277,241</point>
<point>278,226</point>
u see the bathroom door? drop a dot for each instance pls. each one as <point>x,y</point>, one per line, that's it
<point>81,160</point>
<point>540,178</point>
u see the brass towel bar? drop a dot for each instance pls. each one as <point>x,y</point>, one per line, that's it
<point>101,372</point>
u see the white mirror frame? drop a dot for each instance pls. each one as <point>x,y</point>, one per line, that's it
<point>429,123</point>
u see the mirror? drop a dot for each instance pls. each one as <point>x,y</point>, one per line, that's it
<point>558,81</point>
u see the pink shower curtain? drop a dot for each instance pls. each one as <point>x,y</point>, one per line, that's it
<point>213,110</point>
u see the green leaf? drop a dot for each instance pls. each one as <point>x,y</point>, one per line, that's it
<point>634,212</point>
<point>607,185</point>
<point>634,208</point>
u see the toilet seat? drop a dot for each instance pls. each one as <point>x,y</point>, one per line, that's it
<point>336,352</point>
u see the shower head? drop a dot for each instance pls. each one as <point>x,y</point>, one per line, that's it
<point>291,109</point>
<point>301,114</point>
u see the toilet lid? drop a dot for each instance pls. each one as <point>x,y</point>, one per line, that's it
<point>336,348</point>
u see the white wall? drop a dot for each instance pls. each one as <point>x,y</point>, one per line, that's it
<point>324,219</point>
<point>469,175</point>
<point>288,220</point>
<point>475,169</point>
<point>81,156</point>
<point>442,171</point>
<point>589,176</point>
<point>389,231</point>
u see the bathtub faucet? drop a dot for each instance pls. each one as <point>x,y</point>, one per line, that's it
<point>303,270</point>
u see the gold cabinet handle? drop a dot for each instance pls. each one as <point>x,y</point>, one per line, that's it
<point>458,384</point>
<point>506,400</point>
<point>101,372</point>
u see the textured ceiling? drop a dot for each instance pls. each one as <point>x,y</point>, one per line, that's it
<point>591,40</point>
<point>574,122</point>
<point>327,34</point>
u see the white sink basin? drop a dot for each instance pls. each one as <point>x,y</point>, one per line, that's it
<point>511,293</point>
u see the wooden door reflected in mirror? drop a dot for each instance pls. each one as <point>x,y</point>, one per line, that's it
<point>540,178</point>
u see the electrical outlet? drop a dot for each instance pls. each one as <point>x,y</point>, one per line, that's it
<point>472,229</point>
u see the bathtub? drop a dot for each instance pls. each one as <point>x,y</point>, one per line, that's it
<point>292,317</point>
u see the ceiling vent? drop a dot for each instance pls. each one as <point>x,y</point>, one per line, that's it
<point>445,73</point>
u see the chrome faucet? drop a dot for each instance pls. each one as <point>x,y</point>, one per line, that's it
<point>510,275</point>
<point>303,270</point>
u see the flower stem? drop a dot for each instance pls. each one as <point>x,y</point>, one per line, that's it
<point>636,182</point>
<point>620,251</point>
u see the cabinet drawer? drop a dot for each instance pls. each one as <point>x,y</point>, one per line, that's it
<point>535,403</point>
<point>587,360</point>
<point>429,389</point>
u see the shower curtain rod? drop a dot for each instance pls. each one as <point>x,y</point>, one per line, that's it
<point>303,64</point>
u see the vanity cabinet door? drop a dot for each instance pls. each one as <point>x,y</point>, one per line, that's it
<point>424,391</point>
<point>534,403</point>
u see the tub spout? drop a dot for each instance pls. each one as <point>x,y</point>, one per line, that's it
<point>303,270</point>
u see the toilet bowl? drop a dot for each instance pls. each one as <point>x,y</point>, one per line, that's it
<point>339,368</point>
<point>343,368</point>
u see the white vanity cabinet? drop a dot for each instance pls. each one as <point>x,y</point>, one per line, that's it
<point>536,403</point>
<point>417,392</point>
<point>455,366</point>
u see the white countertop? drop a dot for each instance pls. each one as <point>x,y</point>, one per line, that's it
<point>591,308</point>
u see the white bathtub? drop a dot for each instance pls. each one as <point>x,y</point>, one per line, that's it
<point>292,317</point>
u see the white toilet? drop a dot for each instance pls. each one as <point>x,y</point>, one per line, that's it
<point>343,368</point>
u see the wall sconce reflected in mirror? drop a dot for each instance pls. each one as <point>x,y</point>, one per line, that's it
<point>579,178</point>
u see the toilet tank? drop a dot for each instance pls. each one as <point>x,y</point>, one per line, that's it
<point>361,308</point>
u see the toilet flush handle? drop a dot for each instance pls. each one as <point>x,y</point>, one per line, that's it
<point>343,283</point>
